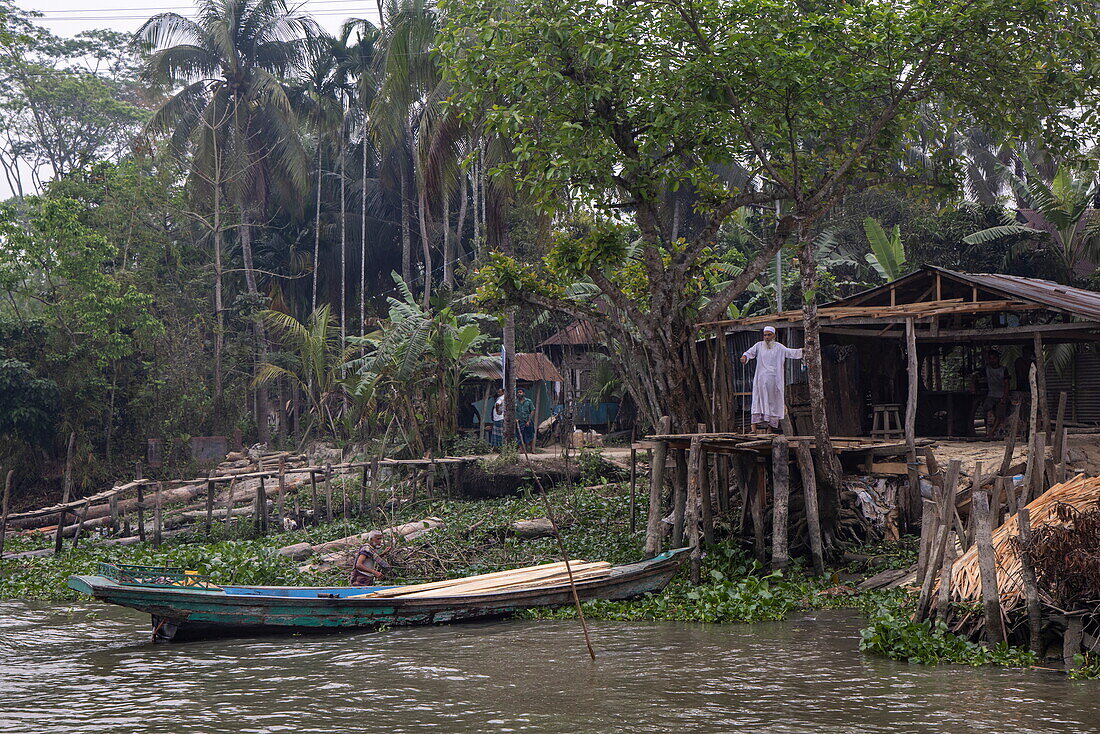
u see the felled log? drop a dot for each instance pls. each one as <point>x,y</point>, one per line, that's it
<point>531,529</point>
<point>338,551</point>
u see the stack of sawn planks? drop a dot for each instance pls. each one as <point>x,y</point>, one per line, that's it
<point>519,579</point>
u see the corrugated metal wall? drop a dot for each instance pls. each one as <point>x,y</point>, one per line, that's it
<point>1081,382</point>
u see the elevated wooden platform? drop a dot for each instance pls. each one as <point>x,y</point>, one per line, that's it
<point>762,443</point>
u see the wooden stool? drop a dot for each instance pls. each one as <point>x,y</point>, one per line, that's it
<point>887,421</point>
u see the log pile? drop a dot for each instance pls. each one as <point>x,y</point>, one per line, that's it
<point>340,553</point>
<point>1080,493</point>
<point>530,577</point>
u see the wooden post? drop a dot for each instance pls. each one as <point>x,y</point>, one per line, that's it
<point>281,506</point>
<point>1038,470</point>
<point>374,481</point>
<point>80,523</point>
<point>140,503</point>
<point>781,489</point>
<point>1071,642</point>
<point>1041,386</point>
<point>927,531</point>
<point>1010,440</point>
<point>4,509</point>
<point>723,483</point>
<point>946,575</point>
<point>813,516</point>
<point>633,483</point>
<point>112,504</point>
<point>126,532</point>
<point>705,497</point>
<point>363,506</point>
<point>229,507</point>
<point>1034,458</point>
<point>328,492</point>
<point>656,485</point>
<point>759,493</point>
<point>480,417</point>
<point>157,517</point>
<point>911,399</point>
<point>67,488</point>
<point>1031,587</point>
<point>944,517</point>
<point>261,519</point>
<point>211,490</point>
<point>1059,428</point>
<point>679,497</point>
<point>692,504</point>
<point>987,565</point>
<point>313,494</point>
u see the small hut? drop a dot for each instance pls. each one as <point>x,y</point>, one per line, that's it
<point>578,351</point>
<point>534,373</point>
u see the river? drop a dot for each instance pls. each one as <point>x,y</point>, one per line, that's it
<point>90,668</point>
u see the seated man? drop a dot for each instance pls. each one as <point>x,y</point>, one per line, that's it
<point>996,399</point>
<point>369,567</point>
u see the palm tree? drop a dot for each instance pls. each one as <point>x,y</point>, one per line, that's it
<point>1062,209</point>
<point>232,112</point>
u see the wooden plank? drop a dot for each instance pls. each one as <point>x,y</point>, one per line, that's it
<point>1031,586</point>
<point>693,506</point>
<point>780,495</point>
<point>896,468</point>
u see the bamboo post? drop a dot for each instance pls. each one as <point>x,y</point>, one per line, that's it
<point>1031,586</point>
<point>1034,458</point>
<point>987,565</point>
<point>4,509</point>
<point>656,485</point>
<point>1041,386</point>
<point>693,502</point>
<point>911,398</point>
<point>705,498</point>
<point>157,516</point>
<point>780,495</point>
<point>281,507</point>
<point>66,490</point>
<point>140,503</point>
<point>679,497</point>
<point>328,492</point>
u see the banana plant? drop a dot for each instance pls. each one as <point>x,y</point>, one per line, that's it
<point>887,255</point>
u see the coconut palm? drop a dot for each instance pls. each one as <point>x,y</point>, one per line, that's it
<point>1063,211</point>
<point>231,111</point>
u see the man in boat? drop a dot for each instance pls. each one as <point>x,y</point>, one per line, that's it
<point>768,407</point>
<point>369,567</point>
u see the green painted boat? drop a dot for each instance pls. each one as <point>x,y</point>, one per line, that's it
<point>185,605</point>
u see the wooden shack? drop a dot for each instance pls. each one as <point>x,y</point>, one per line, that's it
<point>534,373</point>
<point>578,351</point>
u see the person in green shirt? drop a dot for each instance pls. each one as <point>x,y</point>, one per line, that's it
<point>525,419</point>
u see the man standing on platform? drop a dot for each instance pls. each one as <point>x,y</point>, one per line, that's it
<point>768,406</point>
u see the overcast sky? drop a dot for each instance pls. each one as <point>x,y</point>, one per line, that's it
<point>69,17</point>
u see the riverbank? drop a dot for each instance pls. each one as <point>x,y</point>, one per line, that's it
<point>474,539</point>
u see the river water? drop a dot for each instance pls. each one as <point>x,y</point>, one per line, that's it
<point>90,668</point>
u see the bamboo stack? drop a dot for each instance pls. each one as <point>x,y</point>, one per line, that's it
<point>1080,493</point>
<point>530,577</point>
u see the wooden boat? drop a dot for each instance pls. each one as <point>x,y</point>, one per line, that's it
<point>186,605</point>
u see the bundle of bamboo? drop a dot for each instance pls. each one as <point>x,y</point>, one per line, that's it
<point>548,574</point>
<point>1080,493</point>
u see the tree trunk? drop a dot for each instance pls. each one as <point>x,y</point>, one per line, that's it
<point>316,233</point>
<point>406,232</point>
<point>363,248</point>
<point>219,319</point>
<point>448,252</point>
<point>829,471</point>
<point>262,407</point>
<point>460,226</point>
<point>510,377</point>
<point>425,243</point>
<point>343,249</point>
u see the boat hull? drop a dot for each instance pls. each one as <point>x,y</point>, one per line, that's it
<point>180,613</point>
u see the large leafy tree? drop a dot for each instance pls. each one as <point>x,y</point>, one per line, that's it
<point>231,112</point>
<point>625,104</point>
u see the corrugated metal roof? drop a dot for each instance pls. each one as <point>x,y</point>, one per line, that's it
<point>529,368</point>
<point>577,333</point>
<point>1077,301</point>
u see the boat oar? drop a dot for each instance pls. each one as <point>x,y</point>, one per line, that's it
<point>564,554</point>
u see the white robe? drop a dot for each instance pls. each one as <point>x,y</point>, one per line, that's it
<point>768,383</point>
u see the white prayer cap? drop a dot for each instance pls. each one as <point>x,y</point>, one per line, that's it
<point>768,329</point>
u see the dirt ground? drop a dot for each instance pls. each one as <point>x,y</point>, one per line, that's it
<point>1083,453</point>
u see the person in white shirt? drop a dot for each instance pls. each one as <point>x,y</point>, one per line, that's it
<point>768,384</point>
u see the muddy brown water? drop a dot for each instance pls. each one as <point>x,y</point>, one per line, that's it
<point>90,668</point>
